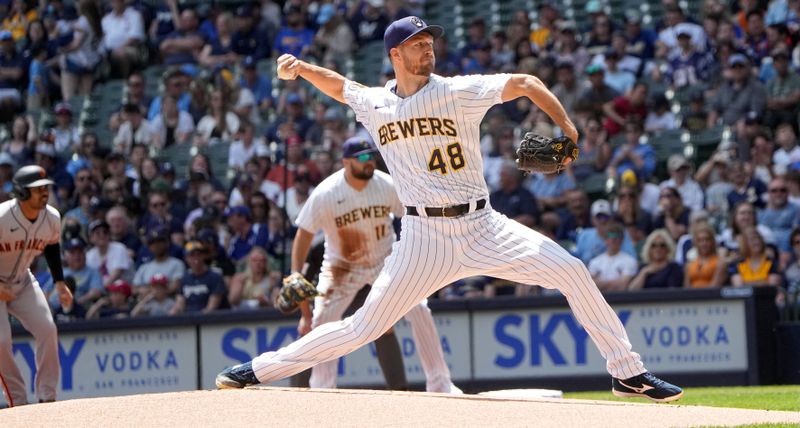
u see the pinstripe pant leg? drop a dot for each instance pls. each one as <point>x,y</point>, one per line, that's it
<point>326,309</point>
<point>417,266</point>
<point>429,347</point>
<point>523,255</point>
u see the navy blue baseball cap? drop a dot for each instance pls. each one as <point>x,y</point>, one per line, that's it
<point>405,28</point>
<point>238,210</point>
<point>355,146</point>
<point>75,243</point>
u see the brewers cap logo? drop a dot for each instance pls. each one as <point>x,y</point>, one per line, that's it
<point>416,21</point>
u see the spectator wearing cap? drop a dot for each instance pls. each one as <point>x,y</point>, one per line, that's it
<point>619,79</point>
<point>110,258</point>
<point>218,51</point>
<point>334,40</point>
<point>668,37</point>
<point>294,116</point>
<point>590,241</point>
<point>183,45</point>
<point>12,77</point>
<point>629,107</point>
<point>659,269</point>
<point>123,35</point>
<point>88,282</point>
<point>202,290</point>
<point>294,38</point>
<point>162,263</point>
<point>117,304</point>
<point>133,130</point>
<point>157,302</point>
<point>259,85</point>
<point>245,234</point>
<point>220,123</point>
<point>687,66</point>
<point>176,85</point>
<point>641,41</point>
<point>779,215</point>
<point>368,21</point>
<point>65,133</point>
<point>739,94</point>
<point>250,39</point>
<point>634,155</point>
<point>513,200</point>
<point>783,91</point>
<point>215,256</point>
<point>613,269</point>
<point>597,94</point>
<point>680,173</point>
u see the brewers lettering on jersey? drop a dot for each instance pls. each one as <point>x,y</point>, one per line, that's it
<point>28,228</point>
<point>450,231</point>
<point>355,208</point>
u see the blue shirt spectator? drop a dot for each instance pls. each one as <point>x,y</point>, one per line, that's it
<point>633,155</point>
<point>294,37</point>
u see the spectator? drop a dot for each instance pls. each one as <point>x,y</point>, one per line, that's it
<point>792,271</point>
<point>111,259</point>
<point>641,41</point>
<point>220,123</point>
<point>65,134</point>
<point>133,130</point>
<point>202,290</point>
<point>18,17</point>
<point>38,92</point>
<point>252,289</point>
<point>259,85</point>
<point>634,155</point>
<point>788,153</point>
<point>696,117</point>
<point>219,51</point>
<point>619,79</point>
<point>368,21</point>
<point>243,147</point>
<point>87,281</point>
<point>597,94</point>
<point>688,66</point>
<point>780,216</point>
<point>738,95</point>
<point>590,241</point>
<point>157,302</point>
<point>659,270</point>
<point>158,214</point>
<point>116,305</point>
<point>625,108</point>
<point>334,40</point>
<point>123,36</point>
<point>215,256</point>
<point>707,268</point>
<point>294,38</point>
<point>249,39</point>
<point>746,188</point>
<point>783,92</point>
<point>637,221</point>
<point>755,40</point>
<point>259,206</point>
<point>7,168</point>
<point>22,140</point>
<point>599,37</point>
<point>81,56</point>
<point>164,16</point>
<point>660,116</point>
<point>183,45</point>
<point>574,216</point>
<point>549,189</point>
<point>117,170</point>
<point>761,151</point>
<point>612,270</point>
<point>295,118</point>
<point>175,85</point>
<point>279,244</point>
<point>448,62</point>
<point>513,200</point>
<point>568,89</point>
<point>13,73</point>
<point>135,94</point>
<point>73,311</point>
<point>754,266</point>
<point>245,234</point>
<point>680,172</point>
<point>674,216</point>
<point>120,229</point>
<point>162,263</point>
<point>297,195</point>
<point>743,217</point>
<point>172,126</point>
<point>295,160</point>
<point>675,20</point>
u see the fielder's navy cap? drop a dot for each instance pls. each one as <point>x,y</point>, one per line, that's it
<point>355,146</point>
<point>405,28</point>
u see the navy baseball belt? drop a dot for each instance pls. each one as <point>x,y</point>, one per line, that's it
<point>451,211</point>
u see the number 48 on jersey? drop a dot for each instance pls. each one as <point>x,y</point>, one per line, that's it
<point>455,159</point>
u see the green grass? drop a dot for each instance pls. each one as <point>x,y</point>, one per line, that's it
<point>777,397</point>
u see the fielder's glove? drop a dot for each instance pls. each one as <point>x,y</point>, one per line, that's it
<point>545,155</point>
<point>296,289</point>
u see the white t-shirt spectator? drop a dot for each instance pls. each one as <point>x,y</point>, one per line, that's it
<point>207,124</point>
<point>117,29</point>
<point>172,268</point>
<point>609,268</point>
<point>238,154</point>
<point>126,136</point>
<point>115,258</point>
<point>691,193</point>
<point>185,126</point>
<point>782,159</point>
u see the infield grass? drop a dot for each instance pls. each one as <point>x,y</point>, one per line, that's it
<point>774,397</point>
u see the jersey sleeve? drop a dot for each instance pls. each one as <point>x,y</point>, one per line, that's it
<point>306,218</point>
<point>357,97</point>
<point>54,226</point>
<point>477,93</point>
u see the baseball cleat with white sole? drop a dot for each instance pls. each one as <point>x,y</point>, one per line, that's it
<point>647,386</point>
<point>237,377</point>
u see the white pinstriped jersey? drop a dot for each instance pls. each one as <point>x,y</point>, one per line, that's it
<point>357,224</point>
<point>431,140</point>
<point>22,240</point>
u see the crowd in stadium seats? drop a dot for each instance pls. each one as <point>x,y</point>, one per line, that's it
<point>180,162</point>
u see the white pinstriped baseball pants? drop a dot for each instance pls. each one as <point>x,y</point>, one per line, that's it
<point>433,252</point>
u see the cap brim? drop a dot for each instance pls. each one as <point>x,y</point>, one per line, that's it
<point>361,152</point>
<point>434,30</point>
<point>41,182</point>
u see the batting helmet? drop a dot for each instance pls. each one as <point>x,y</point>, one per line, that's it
<point>27,177</point>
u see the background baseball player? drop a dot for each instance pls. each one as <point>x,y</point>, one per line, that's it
<point>355,208</point>
<point>28,227</point>
<point>428,131</point>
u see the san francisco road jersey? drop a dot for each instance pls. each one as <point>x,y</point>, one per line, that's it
<point>357,224</point>
<point>21,240</point>
<point>431,140</point>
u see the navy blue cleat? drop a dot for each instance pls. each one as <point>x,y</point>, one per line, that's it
<point>648,386</point>
<point>237,377</point>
